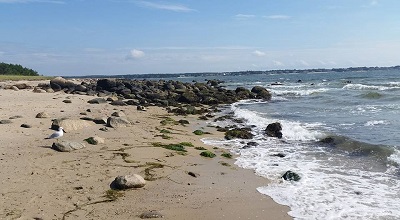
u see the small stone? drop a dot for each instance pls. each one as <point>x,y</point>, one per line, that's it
<point>151,214</point>
<point>42,115</point>
<point>118,114</point>
<point>15,117</point>
<point>67,101</point>
<point>26,126</point>
<point>95,140</point>
<point>5,121</point>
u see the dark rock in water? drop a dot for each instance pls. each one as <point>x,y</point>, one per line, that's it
<point>274,130</point>
<point>26,126</point>
<point>291,176</point>
<point>281,155</point>
<point>243,133</point>
<point>151,214</point>
<point>327,140</point>
<point>97,101</point>
<point>252,143</point>
<point>261,93</point>
<point>67,146</point>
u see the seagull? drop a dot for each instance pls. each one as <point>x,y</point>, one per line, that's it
<point>57,134</point>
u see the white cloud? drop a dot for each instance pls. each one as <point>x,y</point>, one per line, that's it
<point>135,54</point>
<point>304,63</point>
<point>278,17</point>
<point>164,6</point>
<point>244,16</point>
<point>278,63</point>
<point>259,53</point>
<point>32,1</point>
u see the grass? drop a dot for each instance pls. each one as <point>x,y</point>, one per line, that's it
<point>29,78</point>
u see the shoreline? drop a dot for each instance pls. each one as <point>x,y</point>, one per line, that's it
<point>41,183</point>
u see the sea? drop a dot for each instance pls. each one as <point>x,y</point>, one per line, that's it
<point>357,176</point>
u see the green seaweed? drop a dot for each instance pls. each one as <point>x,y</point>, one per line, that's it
<point>208,154</point>
<point>198,132</point>
<point>200,148</point>
<point>227,155</point>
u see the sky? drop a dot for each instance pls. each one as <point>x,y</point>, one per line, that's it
<point>110,37</point>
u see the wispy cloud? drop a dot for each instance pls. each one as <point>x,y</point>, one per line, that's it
<point>33,1</point>
<point>259,53</point>
<point>278,17</point>
<point>135,54</point>
<point>244,16</point>
<point>165,6</point>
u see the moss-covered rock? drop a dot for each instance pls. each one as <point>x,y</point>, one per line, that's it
<point>243,133</point>
<point>208,154</point>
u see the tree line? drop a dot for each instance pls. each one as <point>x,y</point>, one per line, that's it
<point>16,69</point>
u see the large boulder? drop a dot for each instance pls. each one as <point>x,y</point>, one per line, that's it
<point>261,93</point>
<point>106,84</point>
<point>128,182</point>
<point>243,133</point>
<point>291,176</point>
<point>274,130</point>
<point>71,124</point>
<point>67,146</point>
<point>60,83</point>
<point>118,122</point>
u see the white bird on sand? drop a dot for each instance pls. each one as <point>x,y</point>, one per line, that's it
<point>57,134</point>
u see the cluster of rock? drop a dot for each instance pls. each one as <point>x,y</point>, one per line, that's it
<point>161,93</point>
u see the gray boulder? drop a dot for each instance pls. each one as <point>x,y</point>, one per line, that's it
<point>118,122</point>
<point>67,146</point>
<point>128,182</point>
<point>97,101</point>
<point>42,115</point>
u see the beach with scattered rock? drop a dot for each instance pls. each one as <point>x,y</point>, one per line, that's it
<point>129,151</point>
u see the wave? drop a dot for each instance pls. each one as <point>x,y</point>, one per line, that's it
<point>368,87</point>
<point>376,122</point>
<point>372,95</point>
<point>305,92</point>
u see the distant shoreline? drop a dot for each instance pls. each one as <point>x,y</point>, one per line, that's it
<point>236,73</point>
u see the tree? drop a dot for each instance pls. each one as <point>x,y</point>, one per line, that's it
<point>16,69</point>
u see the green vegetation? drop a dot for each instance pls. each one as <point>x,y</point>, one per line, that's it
<point>169,121</point>
<point>149,176</point>
<point>208,154</point>
<point>200,148</point>
<point>20,77</point>
<point>16,69</point>
<point>113,194</point>
<point>165,131</point>
<point>198,132</point>
<point>186,144</point>
<point>175,147</point>
<point>227,155</point>
<point>224,163</point>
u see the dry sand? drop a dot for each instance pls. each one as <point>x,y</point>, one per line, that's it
<point>38,182</point>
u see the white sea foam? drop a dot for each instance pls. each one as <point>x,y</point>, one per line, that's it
<point>329,188</point>
<point>366,87</point>
<point>292,92</point>
<point>377,122</point>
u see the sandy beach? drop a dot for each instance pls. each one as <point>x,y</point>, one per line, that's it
<point>41,183</point>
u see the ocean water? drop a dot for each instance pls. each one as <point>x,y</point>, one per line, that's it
<point>357,177</point>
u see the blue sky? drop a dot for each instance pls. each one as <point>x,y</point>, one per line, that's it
<point>85,37</point>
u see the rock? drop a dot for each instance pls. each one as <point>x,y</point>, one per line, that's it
<point>99,120</point>
<point>39,90</point>
<point>141,108</point>
<point>23,86</point>
<point>281,155</point>
<point>291,176</point>
<point>26,126</point>
<point>274,130</point>
<point>60,83</point>
<point>118,114</point>
<point>261,93</point>
<point>117,122</point>
<point>5,121</point>
<point>14,88</point>
<point>67,146</point>
<point>67,101</point>
<point>97,101</point>
<point>151,214</point>
<point>71,124</point>
<point>118,103</point>
<point>95,140</point>
<point>192,174</point>
<point>128,182</point>
<point>243,133</point>
<point>15,117</point>
<point>42,115</point>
